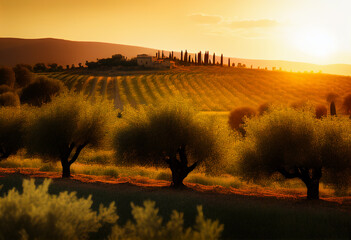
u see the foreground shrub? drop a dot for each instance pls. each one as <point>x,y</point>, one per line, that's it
<point>148,225</point>
<point>297,145</point>
<point>35,214</point>
<point>23,76</point>
<point>12,123</point>
<point>9,99</point>
<point>61,129</point>
<point>237,117</point>
<point>7,77</point>
<point>41,91</point>
<point>168,135</point>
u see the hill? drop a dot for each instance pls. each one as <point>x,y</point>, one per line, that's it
<point>209,88</point>
<point>64,52</point>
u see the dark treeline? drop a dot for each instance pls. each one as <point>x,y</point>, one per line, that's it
<point>116,60</point>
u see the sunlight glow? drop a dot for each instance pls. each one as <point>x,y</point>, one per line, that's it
<point>314,41</point>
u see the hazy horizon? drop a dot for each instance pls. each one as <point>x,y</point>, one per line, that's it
<point>298,31</point>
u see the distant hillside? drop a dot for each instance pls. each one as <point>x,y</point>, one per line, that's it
<point>63,52</point>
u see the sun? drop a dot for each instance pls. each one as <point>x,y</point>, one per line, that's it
<point>314,41</point>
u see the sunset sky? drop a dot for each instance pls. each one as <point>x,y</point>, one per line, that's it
<point>317,31</point>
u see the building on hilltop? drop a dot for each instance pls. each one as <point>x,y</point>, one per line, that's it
<point>152,62</point>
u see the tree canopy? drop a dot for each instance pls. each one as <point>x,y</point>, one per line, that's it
<point>168,135</point>
<point>59,130</point>
<point>295,144</point>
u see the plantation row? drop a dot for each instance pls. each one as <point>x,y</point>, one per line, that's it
<point>209,90</point>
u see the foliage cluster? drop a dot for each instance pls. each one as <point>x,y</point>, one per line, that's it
<point>296,144</point>
<point>149,225</point>
<point>61,129</point>
<point>147,136</point>
<point>41,91</point>
<point>12,130</point>
<point>36,214</point>
<point>114,61</point>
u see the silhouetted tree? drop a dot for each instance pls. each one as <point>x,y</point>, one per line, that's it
<point>41,91</point>
<point>7,76</point>
<point>9,99</point>
<point>237,118</point>
<point>29,67</point>
<point>331,98</point>
<point>23,77</point>
<point>169,135</point>
<point>39,67</point>
<point>321,111</point>
<point>295,144</point>
<point>347,104</point>
<point>52,67</point>
<point>59,130</point>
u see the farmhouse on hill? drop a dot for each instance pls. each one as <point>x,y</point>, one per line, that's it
<point>152,62</point>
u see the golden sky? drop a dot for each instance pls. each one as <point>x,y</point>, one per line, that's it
<point>317,31</point>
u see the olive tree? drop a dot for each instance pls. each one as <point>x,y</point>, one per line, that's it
<point>59,130</point>
<point>7,76</point>
<point>297,145</point>
<point>12,130</point>
<point>170,135</point>
<point>9,99</point>
<point>23,76</point>
<point>42,90</point>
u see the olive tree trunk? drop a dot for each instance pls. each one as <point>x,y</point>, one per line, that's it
<point>179,168</point>
<point>66,163</point>
<point>310,177</point>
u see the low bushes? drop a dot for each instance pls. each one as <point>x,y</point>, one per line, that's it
<point>148,225</point>
<point>36,214</point>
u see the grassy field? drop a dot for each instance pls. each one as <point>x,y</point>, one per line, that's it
<point>243,216</point>
<point>209,88</point>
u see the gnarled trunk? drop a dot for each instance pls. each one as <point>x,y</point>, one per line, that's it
<point>310,176</point>
<point>66,164</point>
<point>66,169</point>
<point>313,190</point>
<point>179,168</point>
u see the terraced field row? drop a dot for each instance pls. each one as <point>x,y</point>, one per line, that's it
<point>210,91</point>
